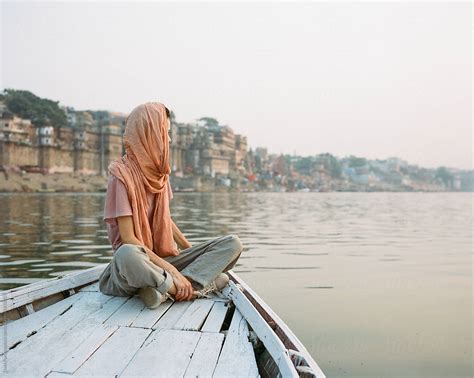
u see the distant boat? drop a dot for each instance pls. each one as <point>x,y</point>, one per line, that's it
<point>66,326</point>
<point>306,190</point>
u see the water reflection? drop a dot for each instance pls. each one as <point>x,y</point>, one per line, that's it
<point>374,284</point>
<point>38,233</point>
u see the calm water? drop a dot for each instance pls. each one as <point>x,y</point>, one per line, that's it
<point>374,284</point>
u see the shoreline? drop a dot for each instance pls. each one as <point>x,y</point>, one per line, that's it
<point>13,182</point>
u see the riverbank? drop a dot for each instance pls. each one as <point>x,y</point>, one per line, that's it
<point>29,182</point>
<point>57,182</point>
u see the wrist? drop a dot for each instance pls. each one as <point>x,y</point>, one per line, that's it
<point>173,271</point>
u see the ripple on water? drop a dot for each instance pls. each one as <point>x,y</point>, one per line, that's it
<point>319,287</point>
<point>287,267</point>
<point>59,245</point>
<point>65,263</point>
<point>19,262</point>
<point>77,241</point>
<point>306,253</point>
<point>66,253</point>
<point>101,246</point>
<point>19,280</point>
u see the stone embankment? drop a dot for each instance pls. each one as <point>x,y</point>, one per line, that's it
<point>56,182</point>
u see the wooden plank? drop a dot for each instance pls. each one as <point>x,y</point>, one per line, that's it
<point>91,287</point>
<point>216,317</point>
<point>146,318</point>
<point>169,319</point>
<point>74,360</point>
<point>48,301</point>
<point>18,330</point>
<point>38,354</point>
<point>286,335</point>
<point>126,314</point>
<point>237,357</point>
<point>17,297</point>
<point>115,353</point>
<point>41,284</point>
<point>194,316</point>
<point>166,353</point>
<point>271,341</point>
<point>204,359</point>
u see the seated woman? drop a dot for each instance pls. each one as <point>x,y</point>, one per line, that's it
<point>147,257</point>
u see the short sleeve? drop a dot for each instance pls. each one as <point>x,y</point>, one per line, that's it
<point>116,200</point>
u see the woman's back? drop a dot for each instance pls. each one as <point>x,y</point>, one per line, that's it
<point>117,205</point>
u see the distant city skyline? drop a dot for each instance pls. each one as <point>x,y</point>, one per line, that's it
<point>374,80</point>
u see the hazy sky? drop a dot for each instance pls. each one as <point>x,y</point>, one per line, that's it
<point>373,79</point>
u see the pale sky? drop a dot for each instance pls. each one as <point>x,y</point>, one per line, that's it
<point>373,79</point>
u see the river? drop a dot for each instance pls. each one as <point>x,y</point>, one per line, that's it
<point>374,284</point>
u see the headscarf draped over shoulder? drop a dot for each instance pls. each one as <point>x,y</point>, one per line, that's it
<point>145,167</point>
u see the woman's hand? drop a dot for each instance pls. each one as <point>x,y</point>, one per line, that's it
<point>184,289</point>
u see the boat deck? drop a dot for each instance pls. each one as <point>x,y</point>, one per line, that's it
<point>93,334</point>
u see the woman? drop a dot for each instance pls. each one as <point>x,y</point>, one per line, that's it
<point>144,238</point>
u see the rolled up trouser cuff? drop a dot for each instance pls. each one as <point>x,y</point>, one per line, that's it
<point>166,284</point>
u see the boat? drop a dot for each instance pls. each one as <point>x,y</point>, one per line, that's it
<point>65,326</point>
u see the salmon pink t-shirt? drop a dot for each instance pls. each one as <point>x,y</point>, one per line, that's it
<point>118,205</point>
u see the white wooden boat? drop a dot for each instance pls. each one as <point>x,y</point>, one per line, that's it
<point>66,326</point>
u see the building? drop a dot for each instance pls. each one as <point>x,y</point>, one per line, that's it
<point>93,139</point>
<point>84,146</point>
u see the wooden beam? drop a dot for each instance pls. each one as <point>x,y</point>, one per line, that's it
<point>23,295</point>
<point>285,334</point>
<point>237,357</point>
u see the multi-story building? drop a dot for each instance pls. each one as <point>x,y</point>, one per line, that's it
<point>14,129</point>
<point>93,139</point>
<point>84,146</point>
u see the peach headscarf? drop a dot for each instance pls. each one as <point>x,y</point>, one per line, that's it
<point>145,167</point>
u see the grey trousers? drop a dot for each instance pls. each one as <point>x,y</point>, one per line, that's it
<point>131,268</point>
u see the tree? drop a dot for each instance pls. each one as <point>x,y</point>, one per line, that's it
<point>304,165</point>
<point>355,162</point>
<point>41,111</point>
<point>332,165</point>
<point>445,176</point>
<point>209,122</point>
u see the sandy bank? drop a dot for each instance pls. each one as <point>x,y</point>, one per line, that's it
<point>56,182</point>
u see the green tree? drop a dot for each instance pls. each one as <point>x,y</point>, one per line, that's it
<point>304,165</point>
<point>332,165</point>
<point>41,111</point>
<point>444,175</point>
<point>355,162</point>
<point>210,122</point>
